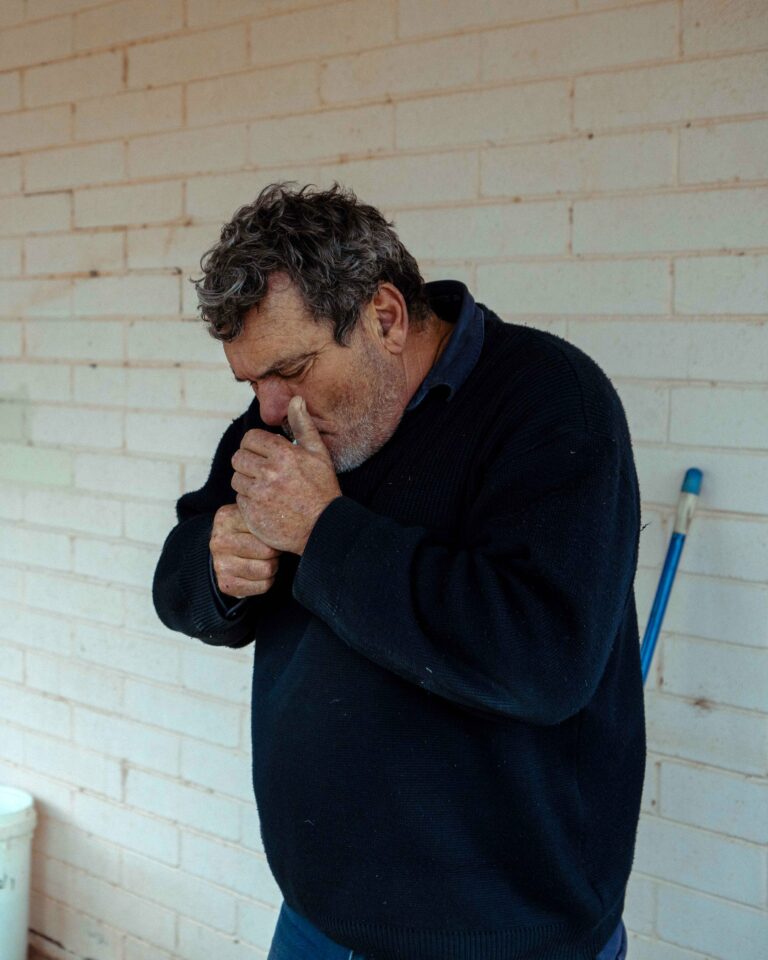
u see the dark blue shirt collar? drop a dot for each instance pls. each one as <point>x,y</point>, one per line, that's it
<point>452,301</point>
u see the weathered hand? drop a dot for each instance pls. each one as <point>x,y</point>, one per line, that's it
<point>243,565</point>
<point>282,488</point>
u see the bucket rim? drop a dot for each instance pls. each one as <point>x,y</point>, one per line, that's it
<point>23,801</point>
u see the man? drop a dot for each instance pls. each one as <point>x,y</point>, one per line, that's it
<point>427,522</point>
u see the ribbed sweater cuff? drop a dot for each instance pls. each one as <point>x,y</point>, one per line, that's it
<point>195,582</point>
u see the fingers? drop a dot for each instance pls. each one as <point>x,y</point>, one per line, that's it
<point>238,588</point>
<point>263,442</point>
<point>229,519</point>
<point>242,564</point>
<point>303,426</point>
<point>230,534</point>
<point>238,577</point>
<point>250,464</point>
<point>243,545</point>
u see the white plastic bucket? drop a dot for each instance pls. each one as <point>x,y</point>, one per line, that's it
<point>17,824</point>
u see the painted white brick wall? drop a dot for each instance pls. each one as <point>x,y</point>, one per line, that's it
<point>594,167</point>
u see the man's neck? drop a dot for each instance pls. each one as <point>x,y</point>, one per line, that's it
<point>424,351</point>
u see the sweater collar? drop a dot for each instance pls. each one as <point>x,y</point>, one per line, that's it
<point>452,301</point>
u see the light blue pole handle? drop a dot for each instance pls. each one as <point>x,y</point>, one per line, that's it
<point>686,504</point>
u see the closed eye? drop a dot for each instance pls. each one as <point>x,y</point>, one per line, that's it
<point>296,371</point>
<point>286,374</point>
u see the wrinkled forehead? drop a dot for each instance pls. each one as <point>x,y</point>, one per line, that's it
<point>276,330</point>
<point>282,311</point>
<point>283,303</point>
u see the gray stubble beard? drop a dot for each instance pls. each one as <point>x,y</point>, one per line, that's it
<point>368,435</point>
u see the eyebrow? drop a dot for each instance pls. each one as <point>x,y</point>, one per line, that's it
<point>286,362</point>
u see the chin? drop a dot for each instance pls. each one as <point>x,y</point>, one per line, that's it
<point>342,461</point>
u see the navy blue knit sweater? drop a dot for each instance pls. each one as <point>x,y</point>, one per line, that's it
<point>447,708</point>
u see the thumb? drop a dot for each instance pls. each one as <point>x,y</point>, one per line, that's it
<point>303,427</point>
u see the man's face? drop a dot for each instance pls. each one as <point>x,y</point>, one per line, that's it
<point>354,394</point>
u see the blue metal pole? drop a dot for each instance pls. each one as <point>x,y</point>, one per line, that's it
<point>686,504</point>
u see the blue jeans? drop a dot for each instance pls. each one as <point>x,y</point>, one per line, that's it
<point>297,939</point>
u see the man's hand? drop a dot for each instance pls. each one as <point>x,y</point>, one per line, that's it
<point>283,488</point>
<point>244,566</point>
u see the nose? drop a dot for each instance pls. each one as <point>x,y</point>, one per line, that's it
<point>273,397</point>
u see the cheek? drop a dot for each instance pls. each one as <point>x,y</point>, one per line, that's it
<point>347,397</point>
<point>331,394</point>
<point>340,392</point>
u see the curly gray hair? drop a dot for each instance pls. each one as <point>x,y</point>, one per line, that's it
<point>334,248</point>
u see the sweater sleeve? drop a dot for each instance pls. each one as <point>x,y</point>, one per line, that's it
<point>517,622</point>
<point>183,590</point>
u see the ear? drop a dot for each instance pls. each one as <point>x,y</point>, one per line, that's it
<point>388,317</point>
